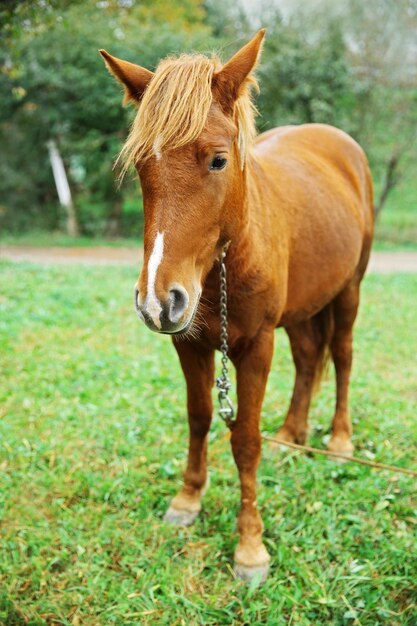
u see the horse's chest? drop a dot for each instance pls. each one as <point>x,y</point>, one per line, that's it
<point>246,313</point>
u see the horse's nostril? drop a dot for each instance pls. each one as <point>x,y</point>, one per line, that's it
<point>137,304</point>
<point>178,303</point>
<point>138,307</point>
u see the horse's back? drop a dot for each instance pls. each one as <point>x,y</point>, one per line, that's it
<point>318,146</point>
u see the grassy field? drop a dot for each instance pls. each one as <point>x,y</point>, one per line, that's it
<point>93,436</point>
<point>397,224</point>
<point>42,238</point>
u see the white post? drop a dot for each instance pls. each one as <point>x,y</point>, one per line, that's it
<point>62,187</point>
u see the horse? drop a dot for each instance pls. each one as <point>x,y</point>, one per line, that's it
<point>294,208</point>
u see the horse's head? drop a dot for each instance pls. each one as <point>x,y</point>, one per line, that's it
<point>188,142</point>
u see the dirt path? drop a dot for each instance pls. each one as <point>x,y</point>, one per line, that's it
<point>381,262</point>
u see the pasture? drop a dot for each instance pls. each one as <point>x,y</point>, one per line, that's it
<point>93,439</point>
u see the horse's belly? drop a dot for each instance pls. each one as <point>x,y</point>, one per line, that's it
<point>320,269</point>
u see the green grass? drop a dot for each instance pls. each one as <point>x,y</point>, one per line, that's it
<point>396,227</point>
<point>43,238</point>
<point>390,246</point>
<point>93,435</point>
<point>397,223</point>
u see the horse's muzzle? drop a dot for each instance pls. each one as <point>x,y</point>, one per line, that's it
<point>170,318</point>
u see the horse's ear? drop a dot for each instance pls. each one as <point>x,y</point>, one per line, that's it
<point>133,77</point>
<point>228,81</point>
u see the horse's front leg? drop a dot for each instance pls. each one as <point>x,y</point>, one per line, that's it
<point>198,368</point>
<point>252,369</point>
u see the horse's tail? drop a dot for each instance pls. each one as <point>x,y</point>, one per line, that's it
<point>325,321</point>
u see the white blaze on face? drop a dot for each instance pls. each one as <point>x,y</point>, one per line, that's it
<point>152,304</point>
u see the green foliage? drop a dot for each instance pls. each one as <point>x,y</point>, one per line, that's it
<point>93,433</point>
<point>57,87</point>
<point>303,81</point>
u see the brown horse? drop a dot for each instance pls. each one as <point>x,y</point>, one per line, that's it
<point>294,205</point>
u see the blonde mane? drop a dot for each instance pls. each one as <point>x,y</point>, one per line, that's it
<point>175,106</point>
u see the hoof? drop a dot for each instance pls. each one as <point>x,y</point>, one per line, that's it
<point>249,574</point>
<point>251,561</point>
<point>285,435</point>
<point>180,517</point>
<point>341,445</point>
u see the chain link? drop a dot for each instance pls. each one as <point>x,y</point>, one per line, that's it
<point>226,410</point>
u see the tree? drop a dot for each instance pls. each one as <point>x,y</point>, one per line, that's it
<point>57,88</point>
<point>379,43</point>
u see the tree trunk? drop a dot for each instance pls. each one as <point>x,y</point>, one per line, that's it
<point>63,189</point>
<point>114,227</point>
<point>390,181</point>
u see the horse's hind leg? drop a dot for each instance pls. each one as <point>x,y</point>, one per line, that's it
<point>306,340</point>
<point>198,368</point>
<point>345,308</point>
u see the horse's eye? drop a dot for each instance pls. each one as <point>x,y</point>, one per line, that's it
<point>218,163</point>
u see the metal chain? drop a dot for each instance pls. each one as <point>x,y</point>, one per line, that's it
<point>226,410</point>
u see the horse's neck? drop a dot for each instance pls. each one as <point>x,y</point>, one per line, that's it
<point>247,242</point>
